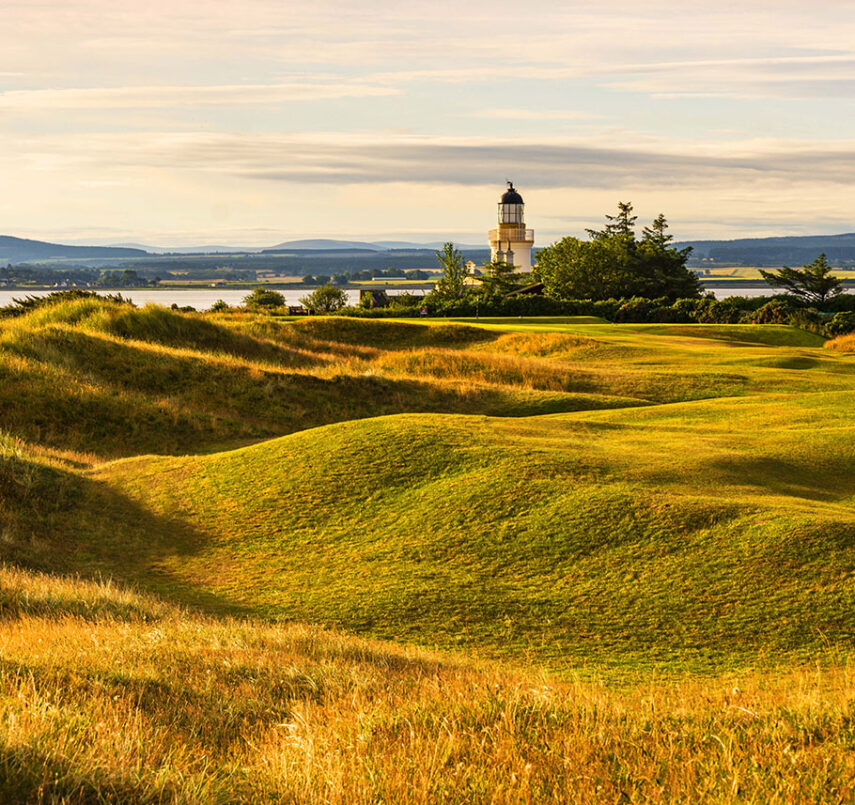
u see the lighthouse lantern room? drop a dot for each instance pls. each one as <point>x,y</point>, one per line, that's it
<point>511,242</point>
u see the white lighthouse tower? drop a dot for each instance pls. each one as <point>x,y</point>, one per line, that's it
<point>511,242</point>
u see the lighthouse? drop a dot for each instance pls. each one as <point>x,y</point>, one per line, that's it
<point>511,242</point>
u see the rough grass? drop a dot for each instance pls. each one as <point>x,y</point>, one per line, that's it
<point>674,543</point>
<point>109,696</point>
<point>108,379</point>
<point>843,343</point>
<point>105,379</point>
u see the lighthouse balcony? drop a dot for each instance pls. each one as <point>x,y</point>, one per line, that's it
<point>515,235</point>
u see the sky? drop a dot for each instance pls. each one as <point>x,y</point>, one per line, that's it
<point>248,123</point>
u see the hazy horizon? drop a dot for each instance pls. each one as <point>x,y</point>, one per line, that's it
<point>196,122</point>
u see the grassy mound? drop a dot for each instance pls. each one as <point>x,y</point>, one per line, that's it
<point>91,376</point>
<point>687,535</point>
<point>686,532</point>
<point>685,504</point>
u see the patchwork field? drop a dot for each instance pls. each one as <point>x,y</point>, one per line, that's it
<point>454,561</point>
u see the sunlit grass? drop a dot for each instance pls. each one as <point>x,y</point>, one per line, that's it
<point>843,343</point>
<point>646,595</point>
<point>106,695</point>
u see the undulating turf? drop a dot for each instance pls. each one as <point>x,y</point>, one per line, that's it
<point>701,514</point>
<point>665,512</point>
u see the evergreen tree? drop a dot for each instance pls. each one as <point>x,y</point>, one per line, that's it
<point>451,286</point>
<point>613,264</point>
<point>656,233</point>
<point>622,224</point>
<point>811,283</point>
<point>498,280</point>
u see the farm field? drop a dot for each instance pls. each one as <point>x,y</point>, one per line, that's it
<point>341,560</point>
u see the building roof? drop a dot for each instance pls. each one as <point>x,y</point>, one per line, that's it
<point>510,196</point>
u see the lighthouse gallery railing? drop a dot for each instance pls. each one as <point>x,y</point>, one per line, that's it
<point>516,235</point>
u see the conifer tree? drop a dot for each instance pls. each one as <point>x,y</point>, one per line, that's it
<point>813,282</point>
<point>452,284</point>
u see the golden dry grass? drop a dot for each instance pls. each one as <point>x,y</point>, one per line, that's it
<point>843,343</point>
<point>436,529</point>
<point>109,696</point>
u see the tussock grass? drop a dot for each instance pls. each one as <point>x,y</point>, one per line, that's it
<point>106,695</point>
<point>843,343</point>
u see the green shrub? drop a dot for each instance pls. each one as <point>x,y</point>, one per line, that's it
<point>841,323</point>
<point>264,299</point>
<point>326,299</point>
<point>775,312</point>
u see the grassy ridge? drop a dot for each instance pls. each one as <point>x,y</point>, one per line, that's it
<point>103,380</point>
<point>696,533</point>
<point>106,380</point>
<point>693,532</point>
<point>109,696</point>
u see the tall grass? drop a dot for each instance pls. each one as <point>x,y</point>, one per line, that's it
<point>109,696</point>
<point>843,343</point>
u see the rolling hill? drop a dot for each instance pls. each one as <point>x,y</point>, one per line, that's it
<point>774,251</point>
<point>648,517</point>
<point>626,551</point>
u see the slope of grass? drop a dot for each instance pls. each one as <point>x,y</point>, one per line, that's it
<point>110,380</point>
<point>107,380</point>
<point>689,532</point>
<point>683,501</point>
<point>110,696</point>
<point>694,533</point>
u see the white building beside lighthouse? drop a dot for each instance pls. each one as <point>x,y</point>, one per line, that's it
<point>511,242</point>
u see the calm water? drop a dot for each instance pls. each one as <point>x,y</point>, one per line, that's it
<point>200,299</point>
<point>203,298</point>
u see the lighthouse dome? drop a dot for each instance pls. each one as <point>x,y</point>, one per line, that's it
<point>510,196</point>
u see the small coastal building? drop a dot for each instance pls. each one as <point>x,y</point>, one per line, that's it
<point>510,241</point>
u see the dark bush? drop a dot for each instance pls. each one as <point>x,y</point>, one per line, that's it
<point>841,323</point>
<point>775,312</point>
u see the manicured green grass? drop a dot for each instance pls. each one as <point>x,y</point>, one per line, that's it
<point>693,534</point>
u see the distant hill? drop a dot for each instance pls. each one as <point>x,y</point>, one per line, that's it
<point>323,244</point>
<point>776,251</point>
<point>20,250</point>
<point>206,249</point>
<point>330,244</point>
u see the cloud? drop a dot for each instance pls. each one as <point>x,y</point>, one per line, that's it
<point>791,77</point>
<point>536,114</point>
<point>366,159</point>
<point>182,96</point>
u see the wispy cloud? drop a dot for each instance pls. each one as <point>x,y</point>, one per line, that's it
<point>166,96</point>
<point>792,77</point>
<point>352,159</point>
<point>536,114</point>
<point>159,111</point>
